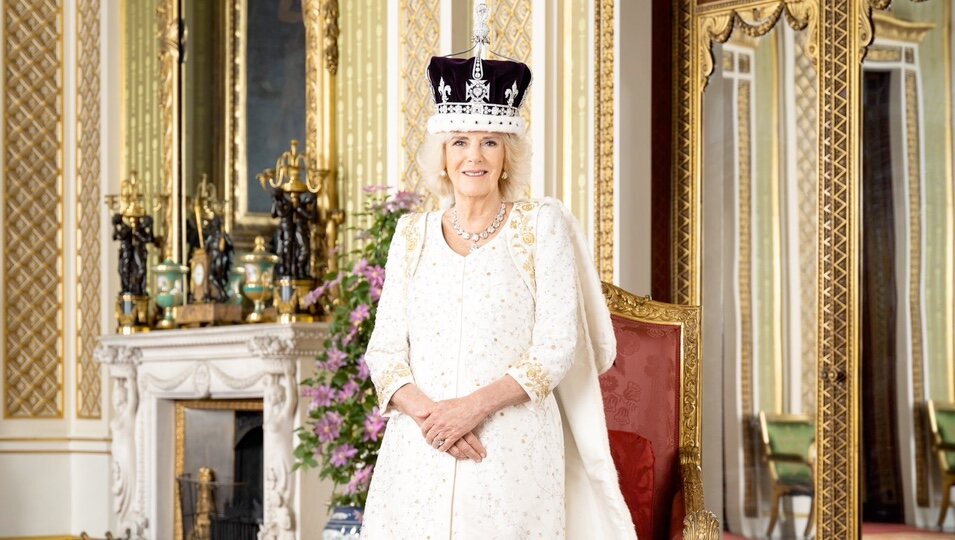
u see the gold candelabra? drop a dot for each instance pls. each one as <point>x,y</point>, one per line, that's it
<point>293,173</point>
<point>133,228</point>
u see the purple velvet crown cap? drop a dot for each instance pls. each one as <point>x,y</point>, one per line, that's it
<point>472,95</point>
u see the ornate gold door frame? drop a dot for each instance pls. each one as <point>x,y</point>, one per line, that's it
<point>844,32</point>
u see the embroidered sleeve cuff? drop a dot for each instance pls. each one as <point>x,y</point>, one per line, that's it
<point>391,380</point>
<point>532,377</point>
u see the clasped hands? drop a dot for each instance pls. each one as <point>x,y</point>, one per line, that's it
<point>448,426</point>
<point>452,422</point>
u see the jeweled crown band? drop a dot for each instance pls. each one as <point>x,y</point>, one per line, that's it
<point>449,122</point>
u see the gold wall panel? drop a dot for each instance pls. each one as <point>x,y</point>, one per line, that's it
<point>362,109</point>
<point>141,118</point>
<point>419,26</point>
<point>33,208</point>
<point>88,392</point>
<point>603,137</point>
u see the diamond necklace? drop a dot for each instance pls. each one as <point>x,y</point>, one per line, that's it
<point>478,236</point>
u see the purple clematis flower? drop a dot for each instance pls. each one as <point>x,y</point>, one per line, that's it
<point>321,396</point>
<point>335,359</point>
<point>329,428</point>
<point>360,314</point>
<point>363,372</point>
<point>360,481</point>
<point>374,425</point>
<point>343,454</point>
<point>348,390</point>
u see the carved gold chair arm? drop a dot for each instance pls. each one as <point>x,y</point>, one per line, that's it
<point>699,523</point>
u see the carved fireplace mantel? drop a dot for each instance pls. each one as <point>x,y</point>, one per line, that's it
<point>150,372</point>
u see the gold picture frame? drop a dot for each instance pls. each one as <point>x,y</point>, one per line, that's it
<point>320,19</point>
<point>844,30</point>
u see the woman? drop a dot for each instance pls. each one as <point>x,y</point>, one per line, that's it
<point>479,321</point>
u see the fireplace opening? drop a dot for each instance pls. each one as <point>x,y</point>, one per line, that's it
<point>219,457</point>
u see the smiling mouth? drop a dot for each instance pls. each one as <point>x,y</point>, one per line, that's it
<point>474,173</point>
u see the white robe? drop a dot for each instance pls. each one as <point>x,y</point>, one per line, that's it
<point>451,324</point>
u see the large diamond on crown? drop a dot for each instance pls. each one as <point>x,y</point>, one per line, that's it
<point>477,90</point>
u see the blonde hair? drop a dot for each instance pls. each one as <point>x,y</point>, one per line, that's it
<point>517,153</point>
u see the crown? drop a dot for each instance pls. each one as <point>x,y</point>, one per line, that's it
<point>474,94</point>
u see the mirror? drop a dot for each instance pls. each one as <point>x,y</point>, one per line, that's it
<point>759,190</point>
<point>243,101</point>
<point>906,262</point>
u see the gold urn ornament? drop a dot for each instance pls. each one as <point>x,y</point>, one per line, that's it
<point>258,278</point>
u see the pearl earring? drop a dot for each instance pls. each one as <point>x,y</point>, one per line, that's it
<point>504,175</point>
<point>443,173</point>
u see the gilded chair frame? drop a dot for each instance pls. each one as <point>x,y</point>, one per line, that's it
<point>843,31</point>
<point>940,448</point>
<point>699,523</point>
<point>771,458</point>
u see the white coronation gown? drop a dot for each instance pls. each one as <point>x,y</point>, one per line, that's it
<point>451,324</point>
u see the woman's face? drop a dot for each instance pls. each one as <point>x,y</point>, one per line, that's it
<point>474,161</point>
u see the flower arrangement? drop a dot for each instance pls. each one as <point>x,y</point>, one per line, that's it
<point>344,427</point>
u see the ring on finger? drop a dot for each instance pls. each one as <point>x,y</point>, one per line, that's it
<point>438,443</point>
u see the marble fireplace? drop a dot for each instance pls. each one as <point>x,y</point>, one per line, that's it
<point>150,373</point>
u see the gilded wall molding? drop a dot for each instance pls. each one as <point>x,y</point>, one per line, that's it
<point>685,227</point>
<point>603,137</point>
<point>167,16</point>
<point>33,339</point>
<point>744,153</point>
<point>419,28</point>
<point>754,20</point>
<point>88,380</point>
<point>913,174</point>
<point>321,68</point>
<point>330,33</point>
<point>890,28</point>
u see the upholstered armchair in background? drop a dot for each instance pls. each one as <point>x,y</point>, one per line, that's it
<point>652,402</point>
<point>941,417</point>
<point>787,450</point>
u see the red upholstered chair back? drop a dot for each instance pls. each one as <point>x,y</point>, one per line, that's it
<point>651,399</point>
